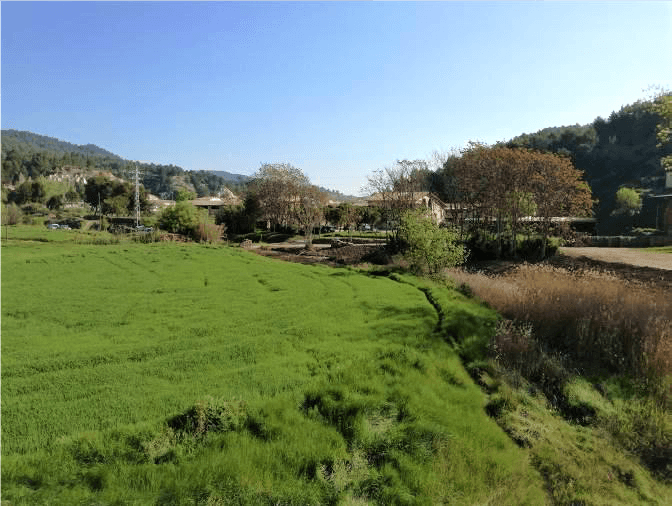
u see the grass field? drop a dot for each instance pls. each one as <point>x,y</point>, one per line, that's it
<point>193,374</point>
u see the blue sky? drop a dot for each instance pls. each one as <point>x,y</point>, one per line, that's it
<point>338,89</point>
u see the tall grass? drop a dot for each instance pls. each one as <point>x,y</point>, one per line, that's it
<point>599,349</point>
<point>602,322</point>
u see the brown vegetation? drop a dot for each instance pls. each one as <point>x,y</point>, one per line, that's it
<point>602,322</point>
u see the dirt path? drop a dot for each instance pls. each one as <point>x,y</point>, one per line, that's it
<point>623,256</point>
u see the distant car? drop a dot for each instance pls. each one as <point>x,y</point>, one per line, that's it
<point>53,226</point>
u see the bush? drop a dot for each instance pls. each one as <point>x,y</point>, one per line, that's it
<point>182,218</point>
<point>426,246</point>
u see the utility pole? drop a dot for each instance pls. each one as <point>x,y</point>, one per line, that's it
<point>137,197</point>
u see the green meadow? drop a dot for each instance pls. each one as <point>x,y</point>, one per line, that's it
<point>194,374</point>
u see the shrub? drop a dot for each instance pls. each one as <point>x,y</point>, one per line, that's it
<point>182,218</point>
<point>426,246</point>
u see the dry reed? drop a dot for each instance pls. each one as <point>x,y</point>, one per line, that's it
<point>602,322</point>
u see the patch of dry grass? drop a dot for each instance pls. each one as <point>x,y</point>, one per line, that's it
<point>602,322</point>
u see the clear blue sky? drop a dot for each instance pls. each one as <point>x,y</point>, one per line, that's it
<point>337,89</point>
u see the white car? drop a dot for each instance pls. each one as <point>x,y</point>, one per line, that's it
<point>53,226</point>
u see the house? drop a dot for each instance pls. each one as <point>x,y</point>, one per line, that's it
<point>414,200</point>
<point>212,204</point>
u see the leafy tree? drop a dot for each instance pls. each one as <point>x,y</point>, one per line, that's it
<point>71,196</point>
<point>662,105</point>
<point>31,191</point>
<point>427,246</point>
<point>505,184</point>
<point>55,201</point>
<point>347,216</point>
<point>491,182</point>
<point>559,190</point>
<point>184,194</point>
<point>107,196</point>
<point>368,215</point>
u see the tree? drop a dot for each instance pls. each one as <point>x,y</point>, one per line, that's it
<point>662,105</point>
<point>107,196</point>
<point>11,214</point>
<point>491,182</point>
<point>31,191</point>
<point>396,189</point>
<point>559,190</point>
<point>184,194</point>
<point>308,211</point>
<point>347,216</point>
<point>427,246</point>
<point>277,187</point>
<point>55,201</point>
<point>368,215</point>
<point>504,184</point>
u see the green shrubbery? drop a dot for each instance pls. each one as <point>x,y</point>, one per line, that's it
<point>181,218</point>
<point>427,246</point>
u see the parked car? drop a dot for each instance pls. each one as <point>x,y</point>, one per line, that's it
<point>53,226</point>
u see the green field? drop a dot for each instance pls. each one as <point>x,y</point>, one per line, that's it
<point>193,374</point>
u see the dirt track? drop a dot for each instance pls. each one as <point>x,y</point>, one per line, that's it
<point>623,256</point>
<point>629,264</point>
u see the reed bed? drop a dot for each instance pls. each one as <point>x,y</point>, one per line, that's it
<point>599,321</point>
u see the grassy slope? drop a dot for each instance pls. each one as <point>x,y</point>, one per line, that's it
<point>173,374</point>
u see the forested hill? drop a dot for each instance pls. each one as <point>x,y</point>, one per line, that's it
<point>20,138</point>
<point>614,152</point>
<point>26,154</point>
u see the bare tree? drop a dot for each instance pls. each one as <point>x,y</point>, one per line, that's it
<point>396,189</point>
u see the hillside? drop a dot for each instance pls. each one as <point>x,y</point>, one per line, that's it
<point>26,154</point>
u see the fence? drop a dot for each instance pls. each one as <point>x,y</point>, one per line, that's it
<point>623,241</point>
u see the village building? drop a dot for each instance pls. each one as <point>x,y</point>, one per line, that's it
<point>213,204</point>
<point>415,200</point>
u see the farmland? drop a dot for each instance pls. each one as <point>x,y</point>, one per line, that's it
<point>195,374</point>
